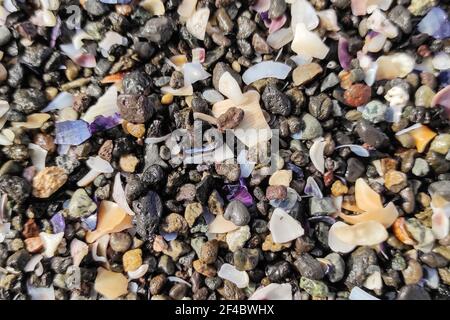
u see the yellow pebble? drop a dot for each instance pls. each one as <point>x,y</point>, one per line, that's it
<point>236,66</point>
<point>132,260</point>
<point>167,98</point>
<point>128,163</point>
<point>338,188</point>
<point>136,130</point>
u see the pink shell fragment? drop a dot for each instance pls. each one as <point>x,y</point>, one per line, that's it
<point>277,24</point>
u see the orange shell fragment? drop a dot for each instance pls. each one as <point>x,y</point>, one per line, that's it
<point>422,136</point>
<point>386,216</point>
<point>366,198</point>
<point>113,78</point>
<point>111,218</point>
<point>401,233</point>
<point>110,284</point>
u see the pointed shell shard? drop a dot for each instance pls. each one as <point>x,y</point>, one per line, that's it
<point>50,242</point>
<point>303,12</point>
<point>366,198</point>
<point>221,225</point>
<point>308,43</point>
<point>283,227</point>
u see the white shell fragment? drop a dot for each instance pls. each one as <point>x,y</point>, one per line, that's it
<point>193,72</point>
<point>221,225</point>
<point>229,87</point>
<point>78,250</point>
<point>61,101</point>
<point>196,24</point>
<point>119,195</point>
<point>303,12</point>
<point>37,155</point>
<point>266,69</point>
<point>308,43</point>
<point>273,291</point>
<point>359,294</point>
<point>230,273</point>
<point>366,233</point>
<point>316,154</point>
<point>51,242</point>
<point>335,243</point>
<point>106,106</point>
<point>284,228</point>
<point>138,273</point>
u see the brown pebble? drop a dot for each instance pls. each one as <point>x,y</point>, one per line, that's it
<point>45,141</point>
<point>230,119</point>
<point>157,283</point>
<point>174,222</point>
<point>209,250</point>
<point>357,95</point>
<point>34,244</point>
<point>105,151</point>
<point>48,181</point>
<point>204,269</point>
<point>30,229</point>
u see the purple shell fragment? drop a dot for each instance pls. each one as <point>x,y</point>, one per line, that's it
<point>58,223</point>
<point>435,24</point>
<point>239,192</point>
<point>72,132</point>
<point>90,223</point>
<point>102,123</point>
<point>169,236</point>
<point>343,54</point>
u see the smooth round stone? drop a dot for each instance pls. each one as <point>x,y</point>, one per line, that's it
<point>237,213</point>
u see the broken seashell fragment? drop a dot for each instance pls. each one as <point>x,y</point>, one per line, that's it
<point>221,225</point>
<point>111,218</point>
<point>308,43</point>
<point>366,198</point>
<point>283,227</point>
<point>229,87</point>
<point>110,284</point>
<point>368,233</point>
<point>50,242</point>
<point>230,273</point>
<point>386,216</point>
